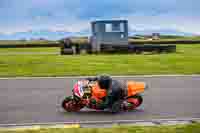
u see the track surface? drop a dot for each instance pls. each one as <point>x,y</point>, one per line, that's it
<point>38,100</point>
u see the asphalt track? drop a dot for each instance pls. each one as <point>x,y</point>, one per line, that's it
<point>38,100</point>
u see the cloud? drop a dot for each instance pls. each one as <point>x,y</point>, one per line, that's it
<point>24,15</point>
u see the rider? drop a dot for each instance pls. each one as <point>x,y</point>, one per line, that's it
<point>115,90</point>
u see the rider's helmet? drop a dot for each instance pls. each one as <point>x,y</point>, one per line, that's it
<point>104,81</point>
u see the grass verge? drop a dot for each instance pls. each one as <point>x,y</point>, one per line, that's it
<point>23,42</point>
<point>190,128</point>
<point>185,61</point>
<point>31,50</point>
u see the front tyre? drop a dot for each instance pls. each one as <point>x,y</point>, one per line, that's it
<point>70,105</point>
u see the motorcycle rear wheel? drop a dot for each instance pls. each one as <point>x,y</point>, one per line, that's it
<point>136,101</point>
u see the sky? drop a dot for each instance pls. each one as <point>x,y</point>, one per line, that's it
<point>76,15</point>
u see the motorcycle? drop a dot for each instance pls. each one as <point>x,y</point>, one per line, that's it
<point>84,92</point>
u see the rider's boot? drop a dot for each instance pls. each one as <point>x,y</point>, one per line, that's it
<point>116,107</point>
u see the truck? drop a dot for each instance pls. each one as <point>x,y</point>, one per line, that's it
<point>112,36</point>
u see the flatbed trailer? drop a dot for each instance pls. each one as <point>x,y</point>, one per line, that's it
<point>131,48</point>
<point>138,48</point>
<point>152,48</point>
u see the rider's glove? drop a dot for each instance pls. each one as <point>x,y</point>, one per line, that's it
<point>93,101</point>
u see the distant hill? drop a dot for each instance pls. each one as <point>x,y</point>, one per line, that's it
<point>56,35</point>
<point>46,34</point>
<point>162,32</point>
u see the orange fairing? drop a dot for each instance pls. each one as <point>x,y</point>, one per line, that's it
<point>97,92</point>
<point>135,87</point>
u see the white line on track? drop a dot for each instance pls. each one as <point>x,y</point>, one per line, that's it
<point>154,121</point>
<point>123,76</point>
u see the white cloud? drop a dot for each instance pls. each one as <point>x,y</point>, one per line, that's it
<point>73,27</point>
<point>75,16</point>
<point>179,21</point>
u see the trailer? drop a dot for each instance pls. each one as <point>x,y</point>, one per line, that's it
<point>139,48</point>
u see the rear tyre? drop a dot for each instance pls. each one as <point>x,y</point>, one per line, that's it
<point>139,98</point>
<point>134,101</point>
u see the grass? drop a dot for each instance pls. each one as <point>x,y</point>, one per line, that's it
<point>190,128</point>
<point>19,50</point>
<point>185,61</point>
<point>22,42</point>
<point>84,40</point>
<point>163,39</point>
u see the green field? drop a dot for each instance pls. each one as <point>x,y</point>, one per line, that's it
<point>185,61</point>
<point>167,39</point>
<point>190,128</point>
<point>31,50</point>
<point>23,42</point>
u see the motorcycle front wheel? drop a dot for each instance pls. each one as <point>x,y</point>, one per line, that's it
<point>70,105</point>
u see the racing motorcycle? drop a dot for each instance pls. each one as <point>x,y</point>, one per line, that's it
<point>84,91</point>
